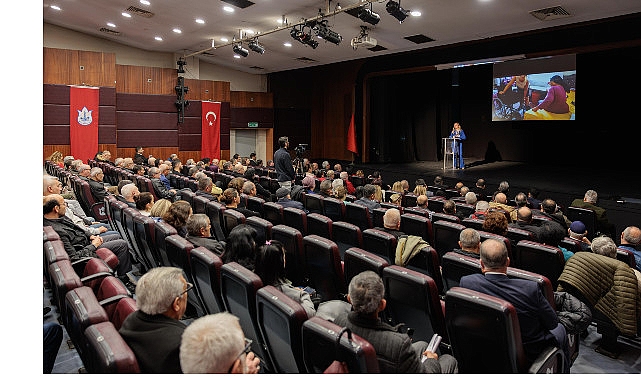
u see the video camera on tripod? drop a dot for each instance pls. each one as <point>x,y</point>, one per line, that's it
<point>300,149</point>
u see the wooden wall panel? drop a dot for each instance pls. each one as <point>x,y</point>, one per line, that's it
<point>190,142</point>
<point>145,103</point>
<point>56,114</point>
<point>145,80</point>
<point>48,150</point>
<point>97,69</point>
<point>213,91</point>
<point>151,121</point>
<point>107,135</point>
<point>133,138</point>
<point>55,134</point>
<point>246,99</point>
<point>62,66</point>
<point>55,94</point>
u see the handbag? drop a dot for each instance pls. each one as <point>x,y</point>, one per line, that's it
<point>338,366</point>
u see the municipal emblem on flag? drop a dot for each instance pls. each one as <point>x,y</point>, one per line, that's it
<point>84,116</point>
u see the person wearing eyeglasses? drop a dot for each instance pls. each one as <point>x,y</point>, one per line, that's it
<point>154,330</point>
<point>216,343</point>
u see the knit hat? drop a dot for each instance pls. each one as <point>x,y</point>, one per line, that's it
<point>281,192</point>
<point>578,227</point>
<point>308,182</point>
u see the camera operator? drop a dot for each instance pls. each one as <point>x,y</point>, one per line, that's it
<point>283,164</point>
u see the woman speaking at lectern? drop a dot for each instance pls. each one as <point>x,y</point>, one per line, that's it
<point>457,146</point>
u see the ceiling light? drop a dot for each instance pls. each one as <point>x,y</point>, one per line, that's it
<point>200,21</point>
<point>240,50</point>
<point>158,38</point>
<point>228,9</point>
<point>394,9</point>
<point>323,31</point>
<point>176,30</point>
<point>288,44</point>
<point>369,16</point>
<point>55,7</point>
<point>256,47</point>
<point>249,31</point>
<point>145,2</point>
<point>111,25</point>
<point>303,37</point>
<point>126,14</point>
<point>224,39</point>
<point>415,13</point>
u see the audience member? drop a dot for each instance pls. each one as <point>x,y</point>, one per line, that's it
<point>325,188</point>
<point>630,239</point>
<point>449,208</point>
<point>495,222</point>
<point>549,209</point>
<point>236,183</point>
<point>533,198</point>
<point>78,243</point>
<point>176,167</point>
<point>199,234</point>
<point>544,231</point>
<point>420,188</point>
<point>154,331</point>
<point>205,186</point>
<point>589,201</point>
<point>604,246</point>
<point>499,201</point>
<point>504,187</point>
<point>578,232</point>
<point>97,185</point>
<point>139,170</point>
<point>283,164</point>
<point>250,175</point>
<point>241,246</point>
<point>309,183</point>
<point>367,200</point>
<point>129,192</point>
<point>216,343</point>
<point>165,168</point>
<point>177,215</point>
<point>395,350</point>
<point>392,223</point>
<point>481,192</point>
<point>471,198</point>
<point>398,187</point>
<point>231,199</point>
<point>480,209</point>
<point>159,209</point>
<point>51,345</point>
<point>396,199</point>
<point>159,188</point>
<point>144,203</point>
<point>84,171</point>
<point>378,193</point>
<point>538,321</point>
<point>284,199</point>
<point>139,158</point>
<point>406,186</point>
<point>469,242</point>
<point>270,267</point>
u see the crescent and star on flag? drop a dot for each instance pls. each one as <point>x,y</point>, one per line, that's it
<point>211,122</point>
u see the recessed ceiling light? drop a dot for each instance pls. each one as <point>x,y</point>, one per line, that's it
<point>55,7</point>
<point>236,56</point>
<point>224,39</point>
<point>158,38</point>
<point>145,2</point>
<point>228,9</point>
<point>249,31</point>
<point>415,13</point>
<point>126,14</point>
<point>288,44</point>
<point>200,21</point>
<point>176,30</point>
<point>280,21</point>
<point>111,25</point>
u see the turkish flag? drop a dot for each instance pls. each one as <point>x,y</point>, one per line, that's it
<point>83,121</point>
<point>210,143</point>
<point>352,146</point>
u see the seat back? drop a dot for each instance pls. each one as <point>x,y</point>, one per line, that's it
<point>144,233</point>
<point>205,269</point>
<point>295,218</point>
<point>446,236</point>
<point>436,216</point>
<point>109,199</point>
<point>239,286</point>
<point>263,228</point>
<point>413,224</point>
<point>517,234</point>
<point>128,216</point>
<point>124,307</point>
<point>488,235</point>
<point>313,203</point>
<point>232,218</point>
<point>358,260</point>
<point>256,204</point>
<point>476,224</point>
<point>346,235</point>
<point>292,240</point>
<point>476,320</point>
<point>409,200</point>
<point>320,348</point>
<point>378,215</point>
<point>178,251</point>
<point>96,208</point>
<point>413,299</point>
<point>571,245</point>
<point>163,229</point>
<point>82,309</point>
<point>214,211</point>
<point>465,209</point>
<point>358,215</point>
<point>199,204</point>
<point>380,242</point>
<point>107,351</point>
<point>318,224</point>
<point>435,203</point>
<point>280,320</point>
<point>627,257</point>
<point>454,266</point>
<point>117,210</point>
<point>427,261</point>
<point>273,212</point>
<point>322,264</point>
<point>539,258</point>
<point>587,216</point>
<point>334,209</point>
<point>187,195</point>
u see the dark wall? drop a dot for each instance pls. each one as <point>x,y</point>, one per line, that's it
<point>410,106</point>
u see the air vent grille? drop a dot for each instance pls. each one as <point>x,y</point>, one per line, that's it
<point>305,60</point>
<point>256,67</point>
<point>419,39</point>
<point>552,13</point>
<point>140,12</point>
<point>109,31</point>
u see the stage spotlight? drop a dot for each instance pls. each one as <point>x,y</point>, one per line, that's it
<point>304,38</point>
<point>327,34</point>
<point>240,50</point>
<point>256,47</point>
<point>394,9</point>
<point>369,16</point>
<point>181,66</point>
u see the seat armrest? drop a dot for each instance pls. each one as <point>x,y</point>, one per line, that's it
<point>551,360</point>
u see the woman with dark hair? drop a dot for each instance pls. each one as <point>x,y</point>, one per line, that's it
<point>231,198</point>
<point>556,99</point>
<point>270,267</point>
<point>241,246</point>
<point>144,202</point>
<point>177,216</point>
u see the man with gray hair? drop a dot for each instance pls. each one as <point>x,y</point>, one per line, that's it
<point>154,330</point>
<point>97,185</point>
<point>469,241</point>
<point>630,240</point>
<point>159,188</point>
<point>84,171</point>
<point>129,192</point>
<point>604,246</point>
<point>349,186</point>
<point>395,350</point>
<point>216,343</point>
<point>589,201</point>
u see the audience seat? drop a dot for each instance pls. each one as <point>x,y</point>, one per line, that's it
<point>437,215</point>
<point>144,233</point>
<point>334,209</point>
<point>322,264</point>
<point>95,208</point>
<point>214,211</point>
<point>128,216</point>
<point>358,260</point>
<point>144,184</point>
<point>161,230</point>
<point>313,203</point>
<point>295,218</point>
<point>107,351</point>
<point>517,234</point>
<point>232,218</point>
<point>476,224</point>
<point>587,216</point>
<point>465,209</point>
<point>435,203</point>
<point>508,244</point>
<point>116,210</point>
<point>358,215</point>
<point>186,195</point>
<point>256,204</point>
<point>318,224</point>
<point>409,200</point>
<point>378,215</point>
<point>571,245</point>
<point>539,258</point>
<point>109,199</point>
<point>178,251</point>
<point>205,269</point>
<point>413,299</point>
<point>280,320</point>
<point>199,204</point>
<point>446,236</point>
<point>627,257</point>
<point>320,348</point>
<point>239,286</point>
<point>292,240</point>
<point>346,235</point>
<point>427,261</point>
<point>381,243</point>
<point>413,224</point>
<point>263,228</point>
<point>273,212</point>
<point>486,338</point>
<point>454,266</point>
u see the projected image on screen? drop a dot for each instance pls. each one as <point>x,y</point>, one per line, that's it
<point>536,89</point>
